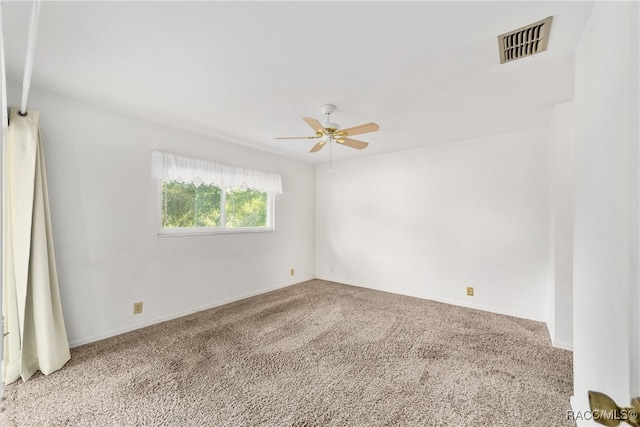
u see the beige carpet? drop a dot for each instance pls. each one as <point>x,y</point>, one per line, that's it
<point>313,354</point>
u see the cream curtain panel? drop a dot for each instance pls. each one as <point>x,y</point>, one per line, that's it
<point>37,339</point>
<point>172,167</point>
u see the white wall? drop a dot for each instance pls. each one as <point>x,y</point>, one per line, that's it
<point>104,215</point>
<point>432,221</point>
<point>561,242</point>
<point>606,206</point>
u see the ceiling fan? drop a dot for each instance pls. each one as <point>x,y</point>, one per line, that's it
<point>330,132</point>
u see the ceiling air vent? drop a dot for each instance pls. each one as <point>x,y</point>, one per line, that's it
<point>525,41</point>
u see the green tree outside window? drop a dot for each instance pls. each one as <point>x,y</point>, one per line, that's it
<point>188,205</point>
<point>246,208</point>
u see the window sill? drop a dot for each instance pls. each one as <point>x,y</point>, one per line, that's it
<point>170,232</point>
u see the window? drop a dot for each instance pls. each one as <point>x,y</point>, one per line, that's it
<point>185,205</point>
<point>246,208</point>
<point>198,196</point>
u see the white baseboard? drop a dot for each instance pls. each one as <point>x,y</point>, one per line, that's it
<point>459,303</point>
<point>169,316</point>
<point>557,343</point>
<point>562,345</point>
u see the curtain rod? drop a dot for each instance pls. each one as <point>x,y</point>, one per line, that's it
<point>31,48</point>
<point>3,77</point>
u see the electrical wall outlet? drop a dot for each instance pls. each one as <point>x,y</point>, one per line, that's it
<point>137,307</point>
<point>292,272</point>
<point>470,291</point>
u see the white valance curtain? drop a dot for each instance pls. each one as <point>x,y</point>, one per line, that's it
<point>172,167</point>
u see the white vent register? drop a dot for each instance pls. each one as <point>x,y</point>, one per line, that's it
<point>525,41</point>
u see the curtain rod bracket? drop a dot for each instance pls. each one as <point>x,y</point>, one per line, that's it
<point>31,49</point>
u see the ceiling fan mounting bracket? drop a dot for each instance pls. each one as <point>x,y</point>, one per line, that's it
<point>327,108</point>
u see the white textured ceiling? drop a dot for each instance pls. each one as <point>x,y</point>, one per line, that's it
<point>426,72</point>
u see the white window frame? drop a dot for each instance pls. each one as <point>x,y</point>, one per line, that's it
<point>222,229</point>
<point>167,167</point>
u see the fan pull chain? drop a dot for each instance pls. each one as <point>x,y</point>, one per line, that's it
<point>330,142</point>
<point>330,154</point>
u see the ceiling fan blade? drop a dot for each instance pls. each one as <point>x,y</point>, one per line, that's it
<point>353,143</point>
<point>316,125</point>
<point>317,147</point>
<point>297,137</point>
<point>357,130</point>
